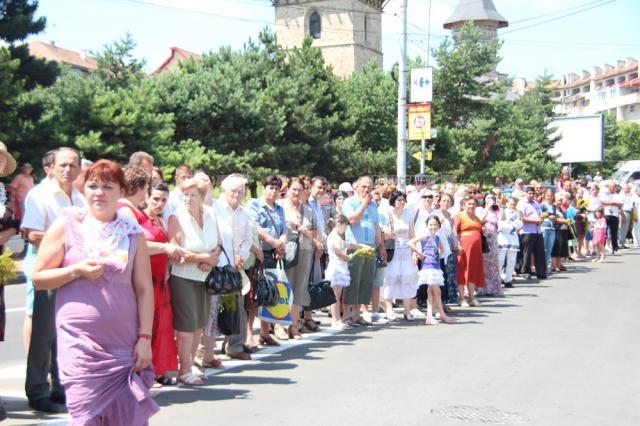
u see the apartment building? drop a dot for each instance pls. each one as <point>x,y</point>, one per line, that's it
<point>607,88</point>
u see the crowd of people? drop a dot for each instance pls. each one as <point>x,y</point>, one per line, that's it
<point>118,262</point>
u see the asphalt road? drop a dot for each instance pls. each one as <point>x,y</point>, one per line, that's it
<point>563,351</point>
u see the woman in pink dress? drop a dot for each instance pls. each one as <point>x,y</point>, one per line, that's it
<point>99,263</point>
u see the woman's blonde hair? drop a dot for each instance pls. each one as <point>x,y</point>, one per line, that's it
<point>199,184</point>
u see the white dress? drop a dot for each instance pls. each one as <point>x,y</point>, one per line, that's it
<point>400,275</point>
<point>338,269</point>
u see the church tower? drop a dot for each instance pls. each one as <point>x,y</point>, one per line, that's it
<point>482,13</point>
<point>349,32</point>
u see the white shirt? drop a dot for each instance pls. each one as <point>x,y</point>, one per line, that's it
<point>627,202</point>
<point>198,240</point>
<point>45,202</point>
<point>593,202</point>
<point>611,210</point>
<point>238,222</point>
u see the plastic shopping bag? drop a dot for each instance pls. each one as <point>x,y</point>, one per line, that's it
<point>280,313</point>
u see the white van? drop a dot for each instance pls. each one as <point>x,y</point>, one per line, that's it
<point>628,170</point>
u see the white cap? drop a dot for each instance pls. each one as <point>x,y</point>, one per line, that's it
<point>346,187</point>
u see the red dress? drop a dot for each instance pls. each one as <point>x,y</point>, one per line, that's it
<point>470,266</point>
<point>163,342</point>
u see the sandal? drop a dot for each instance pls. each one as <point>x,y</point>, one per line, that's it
<point>166,381</point>
<point>214,363</point>
<point>190,379</point>
<point>197,371</point>
<point>431,320</point>
<point>362,321</point>
<point>311,325</point>
<point>268,341</point>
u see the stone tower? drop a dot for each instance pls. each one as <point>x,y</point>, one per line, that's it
<point>483,14</point>
<point>349,32</point>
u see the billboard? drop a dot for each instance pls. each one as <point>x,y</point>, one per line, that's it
<point>581,138</point>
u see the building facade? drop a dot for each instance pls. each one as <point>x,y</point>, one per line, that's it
<point>349,32</point>
<point>608,88</point>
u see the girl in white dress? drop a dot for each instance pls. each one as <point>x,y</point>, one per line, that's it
<point>337,271</point>
<point>401,275</point>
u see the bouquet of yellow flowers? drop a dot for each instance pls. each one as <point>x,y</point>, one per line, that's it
<point>365,251</point>
<point>7,267</point>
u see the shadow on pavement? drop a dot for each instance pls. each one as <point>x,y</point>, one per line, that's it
<point>198,394</point>
<point>222,379</point>
<point>17,409</point>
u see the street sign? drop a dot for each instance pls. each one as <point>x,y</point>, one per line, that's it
<point>419,121</point>
<point>418,155</point>
<point>421,84</point>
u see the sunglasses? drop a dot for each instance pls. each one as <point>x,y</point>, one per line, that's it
<point>427,196</point>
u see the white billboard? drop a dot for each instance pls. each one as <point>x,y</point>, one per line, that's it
<point>581,138</point>
<point>421,85</point>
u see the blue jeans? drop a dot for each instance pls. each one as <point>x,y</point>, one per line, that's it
<point>549,237</point>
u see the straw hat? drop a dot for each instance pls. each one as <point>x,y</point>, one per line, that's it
<point>10,162</point>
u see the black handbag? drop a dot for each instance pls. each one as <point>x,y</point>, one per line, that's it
<point>485,244</point>
<point>266,291</point>
<point>229,315</point>
<point>270,261</point>
<point>390,245</point>
<point>321,294</point>
<point>223,280</point>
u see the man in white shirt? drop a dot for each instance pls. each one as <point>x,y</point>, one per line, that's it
<point>30,256</point>
<point>176,198</point>
<point>232,216</point>
<point>40,212</point>
<point>612,203</point>
<point>625,214</point>
<point>413,196</point>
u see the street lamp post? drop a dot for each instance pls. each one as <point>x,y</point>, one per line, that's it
<point>401,161</point>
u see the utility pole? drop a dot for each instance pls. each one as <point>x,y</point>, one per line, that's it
<point>401,161</point>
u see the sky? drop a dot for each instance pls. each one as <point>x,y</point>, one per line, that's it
<point>604,34</point>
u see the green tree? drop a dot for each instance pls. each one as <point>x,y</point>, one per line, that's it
<point>369,144</point>
<point>482,133</point>
<point>101,116</point>
<point>260,110</point>
<point>117,66</point>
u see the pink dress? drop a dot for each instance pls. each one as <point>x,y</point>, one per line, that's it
<point>600,231</point>
<point>97,329</point>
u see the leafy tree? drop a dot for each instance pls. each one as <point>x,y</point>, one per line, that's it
<point>17,22</point>
<point>9,90</point>
<point>95,115</point>
<point>621,143</point>
<point>369,144</point>
<point>117,66</point>
<point>482,134</point>
<point>261,110</point>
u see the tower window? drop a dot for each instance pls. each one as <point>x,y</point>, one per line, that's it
<point>365,28</point>
<point>315,26</point>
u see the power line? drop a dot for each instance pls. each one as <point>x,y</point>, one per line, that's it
<point>151,5</point>
<point>555,12</point>
<point>557,18</point>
